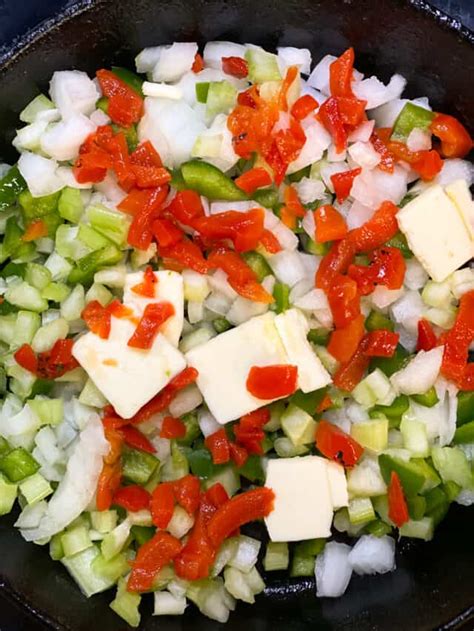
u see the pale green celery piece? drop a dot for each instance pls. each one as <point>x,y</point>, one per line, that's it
<point>56,292</point>
<point>100,293</point>
<point>229,479</point>
<point>286,449</point>
<point>39,104</point>
<point>220,98</point>
<point>70,205</point>
<point>360,510</point>
<point>420,529</point>
<point>35,488</point>
<point>26,297</point>
<point>298,426</point>
<point>91,238</point>
<point>277,557</point>
<point>263,66</point>
<point>49,411</point>
<point>371,434</point>
<point>92,396</point>
<point>80,568</point>
<point>126,604</point>
<point>37,275</point>
<point>104,521</point>
<point>110,223</point>
<point>8,494</point>
<point>26,325</point>
<point>75,540</point>
<point>46,336</point>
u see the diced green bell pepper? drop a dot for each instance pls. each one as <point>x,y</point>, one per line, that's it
<point>308,401</point>
<point>200,462</point>
<point>416,507</point>
<point>411,117</point>
<point>142,534</point>
<point>281,294</point>
<point>464,434</point>
<point>376,320</point>
<point>208,180</point>
<point>11,185</point>
<point>258,264</point>
<point>193,430</point>
<point>129,77</point>
<point>202,90</point>
<point>221,324</point>
<point>428,399</point>
<point>138,466</point>
<point>266,197</point>
<point>390,365</point>
<point>319,336</point>
<point>465,412</point>
<point>411,476</point>
<point>378,528</point>
<point>252,469</point>
<point>88,265</point>
<point>18,464</point>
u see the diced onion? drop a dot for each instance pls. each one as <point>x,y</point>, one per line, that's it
<point>40,174</point>
<point>332,570</point>
<point>376,93</point>
<point>373,555</point>
<point>421,372</point>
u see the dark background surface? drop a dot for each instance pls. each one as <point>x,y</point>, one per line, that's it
<point>35,11</point>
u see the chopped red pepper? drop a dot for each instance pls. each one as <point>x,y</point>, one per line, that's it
<point>335,262</point>
<point>218,445</point>
<point>378,230</point>
<point>428,165</point>
<point>57,361</point>
<point>244,229</point>
<point>172,428</point>
<point>166,233</point>
<point>109,481</point>
<point>134,438</point>
<point>386,267</point>
<point>330,224</point>
<point>235,66</point>
<point>342,183</point>
<point>352,111</point>
<point>292,209</point>
<point>270,242</point>
<point>35,230</point>
<point>381,343</point>
<point>426,336</point>
<point>253,179</point>
<point>303,106</point>
<point>26,358</point>
<point>125,105</point>
<point>239,510</point>
<point>149,177</point>
<point>336,445</point>
<point>350,373</point>
<point>290,76</point>
<point>148,208</point>
<point>217,495</point>
<point>240,276</point>
<point>467,380</point>
<point>198,63</point>
<point>344,342</point>
<point>162,504</point>
<point>455,139</point>
<point>387,161</point>
<point>184,254</point>
<point>341,74</point>
<point>458,339</point>
<point>187,493</point>
<point>249,430</point>
<point>330,116</point>
<point>186,206</point>
<point>397,505</point>
<point>115,440</point>
<point>146,155</point>
<point>344,300</point>
<point>147,287</point>
<point>97,319</point>
<point>272,382</point>
<point>132,498</point>
<point>152,556</point>
<point>153,318</point>
<point>238,454</point>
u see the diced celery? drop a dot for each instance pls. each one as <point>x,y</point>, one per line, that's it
<point>304,555</point>
<point>112,276</point>
<point>27,297</point>
<point>416,507</point>
<point>99,293</point>
<point>415,437</point>
<point>111,569</point>
<point>22,381</point>
<point>39,104</point>
<point>378,528</point>
<point>8,493</point>
<point>277,557</point>
<point>319,336</point>
<point>180,523</point>
<point>7,328</point>
<point>56,551</point>
<point>104,521</point>
<point>342,523</point>
<point>286,449</point>
<point>26,325</point>
<point>360,510</point>
<point>245,553</point>
<point>375,388</point>
<point>139,258</point>
<point>110,223</point>
<point>115,540</point>
<point>92,396</point>
<point>80,568</point>
<point>221,97</point>
<point>365,479</point>
<point>276,410</point>
<point>75,540</point>
<point>328,361</point>
<point>70,205</point>
<point>56,292</point>
<point>90,264</point>
<point>59,267</point>
<point>18,464</point>
<point>371,434</point>
<point>126,604</point>
<point>49,334</point>
<point>67,243</point>
<point>452,465</point>
<point>263,66</point>
<point>167,604</point>
<point>212,598</point>
<point>49,411</point>
<point>298,425</point>
<point>73,305</point>
<point>236,584</point>
<point>140,517</point>
<point>176,466</point>
<point>421,529</point>
<point>437,294</point>
<point>37,275</point>
<point>91,238</point>
<point>228,477</point>
<point>35,488</point>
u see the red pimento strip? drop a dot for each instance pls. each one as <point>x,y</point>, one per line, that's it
<point>187,493</point>
<point>397,505</point>
<point>218,445</point>
<point>134,438</point>
<point>340,74</point>
<point>162,504</point>
<point>125,105</point>
<point>342,183</point>
<point>152,556</point>
<point>109,482</point>
<point>253,179</point>
<point>427,339</point>
<point>153,318</point>
<point>381,343</point>
<point>336,445</point>
<point>272,382</point>
<point>132,498</point>
<point>235,66</point>
<point>330,224</point>
<point>198,63</point>
<point>304,106</point>
<point>172,428</point>
<point>26,358</point>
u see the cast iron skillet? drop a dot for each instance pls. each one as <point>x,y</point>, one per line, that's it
<point>432,587</point>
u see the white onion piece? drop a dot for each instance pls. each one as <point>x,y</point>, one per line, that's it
<point>287,267</point>
<point>362,132</point>
<point>316,143</point>
<point>314,300</point>
<point>172,127</point>
<point>447,393</point>
<point>309,225</point>
<point>372,187</point>
<point>162,90</point>
<point>376,93</point>
<point>335,156</point>
<point>455,169</point>
<point>76,490</point>
<point>382,297</point>
<point>290,56</point>
<point>408,310</point>
<point>415,275</point>
<point>332,570</point>
<point>174,61</point>
<point>364,154</point>
<point>358,215</point>
<point>147,59</point>
<point>319,78</point>
<point>215,145</point>
<point>39,174</point>
<point>207,423</point>
<point>308,190</point>
<point>316,94</point>
<point>99,117</point>
<point>419,140</point>
<point>62,140</point>
<point>110,188</point>
<point>185,401</point>
<point>214,51</point>
<point>421,372</point>
<point>465,497</point>
<point>373,555</point>
<point>73,92</point>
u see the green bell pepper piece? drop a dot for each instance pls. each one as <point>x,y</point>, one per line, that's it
<point>88,265</point>
<point>451,490</point>
<point>378,528</point>
<point>12,238</point>
<point>18,464</point>
<point>393,412</point>
<point>400,241</point>
<point>411,117</point>
<point>4,447</point>
<point>258,264</point>
<point>319,336</point>
<point>192,429</point>
<point>38,207</point>
<point>281,293</point>
<point>208,180</point>
<point>304,555</point>
<point>200,462</point>
<point>221,324</point>
<point>308,401</point>
<point>138,466</point>
<point>465,411</point>
<point>252,469</point>
<point>464,434</point>
<point>267,197</point>
<point>410,474</point>
<point>376,320</point>
<point>434,498</point>
<point>390,365</point>
<point>428,399</point>
<point>11,185</point>
<point>142,534</point>
<point>416,507</point>
<point>202,90</point>
<point>130,78</point>
<point>131,135</point>
<point>297,176</point>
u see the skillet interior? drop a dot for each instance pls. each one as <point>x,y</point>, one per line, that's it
<point>432,587</point>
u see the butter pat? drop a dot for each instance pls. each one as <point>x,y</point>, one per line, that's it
<point>436,232</point>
